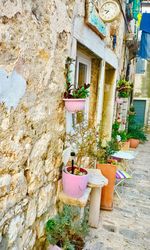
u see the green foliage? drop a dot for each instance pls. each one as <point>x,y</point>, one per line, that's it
<point>135,130</point>
<point>66,229</point>
<point>116,132</point>
<point>72,92</point>
<point>124,88</point>
<point>115,129</point>
<point>83,141</point>
<point>103,153</point>
<point>123,135</point>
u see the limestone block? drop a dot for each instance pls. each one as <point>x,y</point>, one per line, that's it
<point>44,200</point>
<point>31,213</point>
<point>15,228</point>
<point>9,201</point>
<point>5,124</point>
<point>5,184</point>
<point>19,184</point>
<point>27,240</point>
<point>36,176</point>
<point>10,8</point>
<point>40,147</point>
<point>19,208</point>
<point>48,167</point>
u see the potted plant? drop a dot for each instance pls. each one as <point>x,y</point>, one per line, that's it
<point>136,132</point>
<point>124,142</point>
<point>75,176</point>
<point>120,136</point>
<point>74,180</point>
<point>124,88</point>
<point>66,230</point>
<point>108,169</point>
<point>74,97</point>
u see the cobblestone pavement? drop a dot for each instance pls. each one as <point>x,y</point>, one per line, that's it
<point>127,227</point>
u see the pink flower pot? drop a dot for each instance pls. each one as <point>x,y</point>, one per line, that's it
<point>74,105</point>
<point>74,185</point>
<point>119,100</point>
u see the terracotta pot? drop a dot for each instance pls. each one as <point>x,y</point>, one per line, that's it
<point>134,143</point>
<point>74,185</point>
<point>74,105</point>
<point>125,145</point>
<point>109,171</point>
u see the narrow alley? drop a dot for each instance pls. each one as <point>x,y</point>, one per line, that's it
<point>127,227</point>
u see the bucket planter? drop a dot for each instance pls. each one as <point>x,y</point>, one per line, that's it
<point>125,145</point>
<point>74,105</point>
<point>74,185</point>
<point>134,143</point>
<point>109,171</point>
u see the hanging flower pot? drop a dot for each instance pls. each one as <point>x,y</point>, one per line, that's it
<point>74,105</point>
<point>119,100</point>
<point>74,184</point>
<point>74,96</point>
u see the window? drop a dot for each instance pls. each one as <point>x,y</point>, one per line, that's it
<point>82,76</point>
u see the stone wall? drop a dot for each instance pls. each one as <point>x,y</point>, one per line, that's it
<point>34,41</point>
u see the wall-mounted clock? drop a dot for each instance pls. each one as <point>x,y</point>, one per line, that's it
<point>109,11</point>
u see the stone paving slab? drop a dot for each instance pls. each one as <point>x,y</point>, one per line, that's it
<point>127,227</point>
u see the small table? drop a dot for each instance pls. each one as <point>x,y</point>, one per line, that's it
<point>125,155</point>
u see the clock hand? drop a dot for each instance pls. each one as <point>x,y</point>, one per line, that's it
<point>106,11</point>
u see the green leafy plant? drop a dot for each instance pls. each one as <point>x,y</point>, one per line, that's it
<point>104,153</point>
<point>123,135</point>
<point>124,88</point>
<point>72,92</point>
<point>116,133</point>
<point>135,130</point>
<point>83,141</point>
<point>66,230</point>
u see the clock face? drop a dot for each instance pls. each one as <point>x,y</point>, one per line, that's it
<point>109,10</point>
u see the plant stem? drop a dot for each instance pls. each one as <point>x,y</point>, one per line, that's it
<point>72,163</point>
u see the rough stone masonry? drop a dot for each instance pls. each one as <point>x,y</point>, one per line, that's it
<point>34,41</point>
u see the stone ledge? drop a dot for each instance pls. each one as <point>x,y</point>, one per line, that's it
<point>81,202</point>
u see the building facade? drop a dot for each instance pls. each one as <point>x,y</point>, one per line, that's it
<point>36,37</point>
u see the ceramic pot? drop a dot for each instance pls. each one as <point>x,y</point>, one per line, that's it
<point>109,171</point>
<point>74,105</point>
<point>134,143</point>
<point>74,185</point>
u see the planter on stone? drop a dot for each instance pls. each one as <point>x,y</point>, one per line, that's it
<point>134,143</point>
<point>124,145</point>
<point>74,105</point>
<point>109,171</point>
<point>74,185</point>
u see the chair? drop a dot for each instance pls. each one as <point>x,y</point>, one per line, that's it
<point>121,177</point>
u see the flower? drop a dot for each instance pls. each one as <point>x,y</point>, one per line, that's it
<point>118,137</point>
